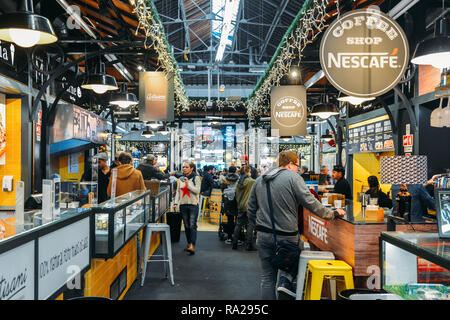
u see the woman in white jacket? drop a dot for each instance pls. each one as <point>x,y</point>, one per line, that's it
<point>186,199</point>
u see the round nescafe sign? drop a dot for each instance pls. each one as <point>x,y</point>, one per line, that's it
<point>288,111</point>
<point>364,53</point>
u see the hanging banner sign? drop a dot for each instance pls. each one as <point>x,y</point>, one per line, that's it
<point>156,96</point>
<point>288,111</point>
<point>364,53</point>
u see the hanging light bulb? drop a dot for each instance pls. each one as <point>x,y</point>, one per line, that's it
<point>436,50</point>
<point>100,82</point>
<point>123,99</point>
<point>154,125</point>
<point>147,133</point>
<point>327,136</point>
<point>324,110</point>
<point>25,28</point>
<point>355,100</point>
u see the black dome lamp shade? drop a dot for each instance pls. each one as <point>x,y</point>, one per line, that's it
<point>123,99</point>
<point>100,82</point>
<point>134,128</point>
<point>25,28</point>
<point>324,109</point>
<point>147,133</point>
<point>327,136</point>
<point>436,50</point>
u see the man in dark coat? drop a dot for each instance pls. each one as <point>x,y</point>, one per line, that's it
<point>149,171</point>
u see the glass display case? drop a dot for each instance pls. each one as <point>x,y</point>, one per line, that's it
<point>416,266</point>
<point>160,204</point>
<point>117,221</point>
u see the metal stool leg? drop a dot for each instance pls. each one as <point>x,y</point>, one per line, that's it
<point>164,249</point>
<point>169,255</point>
<point>276,284</point>
<point>148,237</point>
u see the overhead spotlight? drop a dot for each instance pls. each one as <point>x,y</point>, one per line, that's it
<point>123,99</point>
<point>327,136</point>
<point>100,82</point>
<point>324,110</point>
<point>154,125</point>
<point>25,28</point>
<point>436,50</point>
<point>147,133</point>
<point>355,100</point>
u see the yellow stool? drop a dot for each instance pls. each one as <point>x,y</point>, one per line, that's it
<point>318,270</point>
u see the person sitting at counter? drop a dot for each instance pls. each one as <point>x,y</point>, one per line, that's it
<point>375,192</point>
<point>128,178</point>
<point>420,201</point>
<point>341,184</point>
<point>324,177</point>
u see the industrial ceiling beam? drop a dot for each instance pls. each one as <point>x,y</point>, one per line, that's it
<point>276,20</point>
<point>186,26</point>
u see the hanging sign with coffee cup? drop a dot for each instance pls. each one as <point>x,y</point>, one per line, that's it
<point>364,53</point>
<point>288,112</point>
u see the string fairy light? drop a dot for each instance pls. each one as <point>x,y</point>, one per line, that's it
<point>311,23</point>
<point>155,38</point>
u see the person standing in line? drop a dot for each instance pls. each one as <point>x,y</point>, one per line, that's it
<point>186,199</point>
<point>288,192</point>
<point>254,172</point>
<point>207,183</point>
<point>128,178</point>
<point>243,189</point>
<point>104,173</point>
<point>228,187</point>
<point>149,170</point>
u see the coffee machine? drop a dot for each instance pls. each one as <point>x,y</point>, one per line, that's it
<point>403,199</point>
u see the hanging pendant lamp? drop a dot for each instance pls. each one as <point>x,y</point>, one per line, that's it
<point>147,133</point>
<point>25,28</point>
<point>436,50</point>
<point>324,109</point>
<point>355,100</point>
<point>327,136</point>
<point>100,82</point>
<point>123,99</point>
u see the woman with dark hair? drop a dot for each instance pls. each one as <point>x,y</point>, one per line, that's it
<point>375,192</point>
<point>186,198</point>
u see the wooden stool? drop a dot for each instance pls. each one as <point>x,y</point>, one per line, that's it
<point>318,270</point>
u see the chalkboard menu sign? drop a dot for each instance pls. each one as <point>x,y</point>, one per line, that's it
<point>373,137</point>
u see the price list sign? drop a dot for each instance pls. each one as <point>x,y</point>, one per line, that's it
<point>373,137</point>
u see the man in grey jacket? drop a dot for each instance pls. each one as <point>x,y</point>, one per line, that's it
<point>288,192</point>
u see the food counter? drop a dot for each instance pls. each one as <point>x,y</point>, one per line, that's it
<point>85,251</point>
<point>416,266</point>
<point>118,231</point>
<point>37,260</point>
<point>354,238</point>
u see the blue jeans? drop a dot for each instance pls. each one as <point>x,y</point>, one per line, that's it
<point>266,247</point>
<point>189,212</point>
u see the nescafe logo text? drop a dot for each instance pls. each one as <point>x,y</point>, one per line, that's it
<point>364,53</point>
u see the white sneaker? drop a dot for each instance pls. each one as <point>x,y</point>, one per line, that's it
<point>240,243</point>
<point>228,241</point>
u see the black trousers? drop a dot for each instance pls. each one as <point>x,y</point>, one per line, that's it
<point>242,220</point>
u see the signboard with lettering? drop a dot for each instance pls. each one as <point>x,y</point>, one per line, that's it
<point>364,53</point>
<point>17,278</point>
<point>288,111</point>
<point>373,137</point>
<point>63,254</point>
<point>156,96</point>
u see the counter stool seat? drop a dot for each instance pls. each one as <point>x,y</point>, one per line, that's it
<point>164,229</point>
<point>319,270</point>
<point>305,257</point>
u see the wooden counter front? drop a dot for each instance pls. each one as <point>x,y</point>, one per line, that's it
<point>356,244</point>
